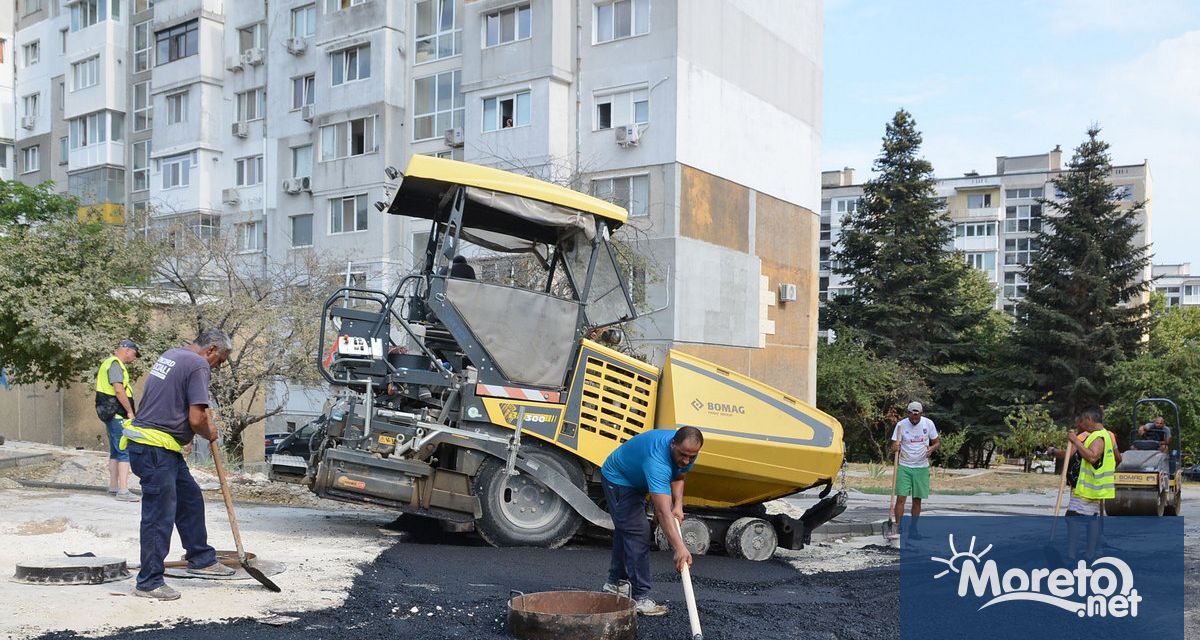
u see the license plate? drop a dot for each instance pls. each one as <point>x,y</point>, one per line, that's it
<point>391,440</point>
<point>1149,479</point>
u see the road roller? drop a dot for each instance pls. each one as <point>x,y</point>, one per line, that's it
<point>1149,478</point>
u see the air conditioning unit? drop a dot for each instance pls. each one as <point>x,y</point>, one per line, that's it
<point>233,63</point>
<point>454,137</point>
<point>28,122</point>
<point>628,135</point>
<point>307,112</point>
<point>291,185</point>
<point>241,129</point>
<point>252,56</point>
<point>297,46</point>
<point>787,293</point>
<point>230,196</point>
<point>305,183</point>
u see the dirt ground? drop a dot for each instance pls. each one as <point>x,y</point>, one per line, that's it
<point>1004,479</point>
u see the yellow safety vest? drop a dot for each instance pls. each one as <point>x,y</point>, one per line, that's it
<point>102,383</point>
<point>1098,483</point>
<point>147,436</point>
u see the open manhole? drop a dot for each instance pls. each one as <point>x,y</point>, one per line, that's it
<point>589,615</point>
<point>91,570</point>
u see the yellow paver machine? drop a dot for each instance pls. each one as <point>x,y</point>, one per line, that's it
<point>493,406</point>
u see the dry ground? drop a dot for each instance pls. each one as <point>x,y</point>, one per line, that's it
<point>1004,479</point>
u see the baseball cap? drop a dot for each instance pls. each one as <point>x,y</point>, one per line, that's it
<point>915,406</point>
<point>130,344</point>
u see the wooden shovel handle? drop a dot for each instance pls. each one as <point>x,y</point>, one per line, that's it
<point>237,537</point>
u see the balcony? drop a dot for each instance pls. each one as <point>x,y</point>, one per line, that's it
<point>111,153</point>
<point>977,243</point>
<point>984,213</point>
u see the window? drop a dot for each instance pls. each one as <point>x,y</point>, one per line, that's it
<point>975,229</point>
<point>32,53</point>
<point>620,109</point>
<point>506,112</point>
<point>250,38</point>
<point>177,107</point>
<point>826,228</point>
<point>622,19</point>
<point>30,104</point>
<point>30,6</point>
<point>250,236</point>
<point>64,146</point>
<point>1015,285</point>
<point>304,21</point>
<point>302,230</point>
<point>1020,250</point>
<point>847,205</point>
<point>141,165</point>
<point>345,139</point>
<point>979,201</point>
<point>631,192</point>
<point>1023,193</point>
<point>984,261</point>
<point>88,12</point>
<point>348,214</point>
<point>438,105</point>
<point>338,5</point>
<point>351,64</point>
<point>250,105</point>
<point>176,171</point>
<point>249,171</point>
<point>143,109</point>
<point>507,26</point>
<point>1023,218</point>
<point>88,130</point>
<point>85,74</point>
<point>142,5</point>
<point>302,158</point>
<point>31,159</point>
<point>177,42</point>
<point>438,32</point>
<point>141,46</point>
<point>303,91</point>
<point>3,156</point>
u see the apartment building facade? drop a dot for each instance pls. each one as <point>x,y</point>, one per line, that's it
<point>1177,284</point>
<point>273,121</point>
<point>995,217</point>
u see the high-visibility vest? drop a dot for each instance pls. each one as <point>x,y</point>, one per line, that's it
<point>102,383</point>
<point>147,436</point>
<point>1098,483</point>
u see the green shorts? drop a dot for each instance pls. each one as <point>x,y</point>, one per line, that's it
<point>913,482</point>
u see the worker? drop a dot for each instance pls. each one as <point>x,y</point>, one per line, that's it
<point>1096,481</point>
<point>1062,453</point>
<point>115,405</point>
<point>654,463</point>
<point>916,438</point>
<point>1157,430</point>
<point>174,409</point>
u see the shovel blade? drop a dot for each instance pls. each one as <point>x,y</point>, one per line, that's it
<point>261,577</point>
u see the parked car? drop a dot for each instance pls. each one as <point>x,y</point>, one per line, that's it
<point>289,457</point>
<point>1192,473</point>
<point>1042,466</point>
<point>272,441</point>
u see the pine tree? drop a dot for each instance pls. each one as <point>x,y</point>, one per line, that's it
<point>1085,308</point>
<point>907,299</point>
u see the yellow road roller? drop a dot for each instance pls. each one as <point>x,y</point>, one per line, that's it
<point>1150,478</point>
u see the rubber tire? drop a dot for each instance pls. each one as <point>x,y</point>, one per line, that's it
<point>1175,506</point>
<point>697,536</point>
<point>751,539</point>
<point>498,530</point>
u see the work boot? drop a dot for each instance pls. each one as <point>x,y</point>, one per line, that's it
<point>648,607</point>
<point>162,593</point>
<point>214,570</point>
<point>621,589</point>
<point>126,496</point>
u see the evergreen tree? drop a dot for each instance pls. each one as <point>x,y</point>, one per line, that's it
<point>1085,309</point>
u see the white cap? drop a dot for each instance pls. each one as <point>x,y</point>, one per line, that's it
<point>915,406</point>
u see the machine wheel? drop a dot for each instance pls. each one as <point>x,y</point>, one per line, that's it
<point>697,537</point>
<point>1175,506</point>
<point>751,538</point>
<point>523,512</point>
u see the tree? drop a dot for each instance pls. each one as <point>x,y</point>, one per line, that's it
<point>64,302</point>
<point>1082,313</point>
<point>1029,429</point>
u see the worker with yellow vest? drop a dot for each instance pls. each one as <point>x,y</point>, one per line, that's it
<point>174,409</point>
<point>114,405</point>
<point>1097,476</point>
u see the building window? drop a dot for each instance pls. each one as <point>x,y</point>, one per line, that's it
<point>3,156</point>
<point>346,139</point>
<point>88,12</point>
<point>141,165</point>
<point>31,159</point>
<point>302,230</point>
<point>304,91</point>
<point>631,192</point>
<point>64,146</point>
<point>338,5</point>
<point>620,109</point>
<point>89,130</point>
<point>32,53</point>
<point>250,38</point>
<point>1023,193</point>
<point>1023,218</point>
<point>30,104</point>
<point>250,105</point>
<point>1020,250</point>
<point>349,214</point>
<point>438,32</point>
<point>975,230</point>
<point>979,201</point>
<point>85,73</point>
<point>508,25</point>
<point>143,109</point>
<point>142,5</point>
<point>304,21</point>
<point>141,46</point>
<point>177,42</point>
<point>250,236</point>
<point>826,227</point>
<point>506,112</point>
<point>622,19</point>
<point>249,171</point>
<point>438,105</point>
<point>351,64</point>
<point>847,205</point>
<point>176,171</point>
<point>177,107</point>
<point>983,261</point>
<point>302,158</point>
<point>1015,285</point>
<point>30,6</point>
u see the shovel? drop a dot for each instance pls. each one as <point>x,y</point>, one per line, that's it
<point>1052,555</point>
<point>892,524</point>
<point>237,537</point>
<point>686,578</point>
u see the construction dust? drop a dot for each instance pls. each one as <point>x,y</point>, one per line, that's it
<point>42,527</point>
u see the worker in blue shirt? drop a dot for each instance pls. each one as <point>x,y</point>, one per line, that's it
<point>652,463</point>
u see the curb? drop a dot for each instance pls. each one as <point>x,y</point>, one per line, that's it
<point>23,460</point>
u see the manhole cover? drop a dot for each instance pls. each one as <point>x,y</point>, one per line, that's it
<point>71,571</point>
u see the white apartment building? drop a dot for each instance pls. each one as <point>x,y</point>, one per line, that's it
<point>996,217</point>
<point>1178,284</point>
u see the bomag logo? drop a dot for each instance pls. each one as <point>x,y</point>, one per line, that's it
<point>719,408</point>
<point>512,412</point>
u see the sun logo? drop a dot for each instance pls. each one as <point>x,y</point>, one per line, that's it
<point>960,557</point>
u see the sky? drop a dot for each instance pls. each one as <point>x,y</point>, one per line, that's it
<point>987,78</point>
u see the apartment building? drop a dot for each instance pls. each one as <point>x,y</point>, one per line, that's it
<point>996,217</point>
<point>1177,283</point>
